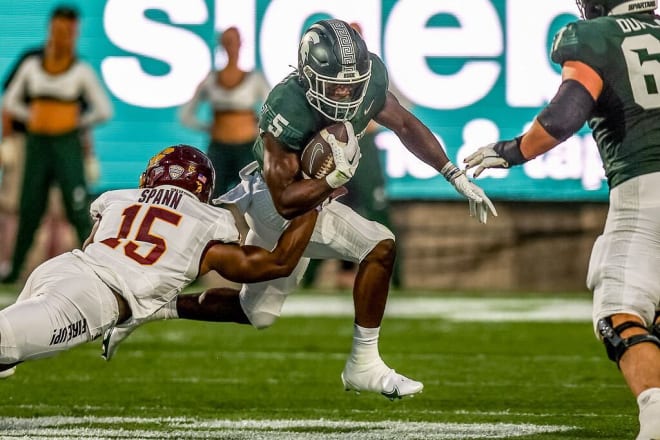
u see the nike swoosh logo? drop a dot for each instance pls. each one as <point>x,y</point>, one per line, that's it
<point>318,149</point>
<point>394,394</point>
<point>366,110</point>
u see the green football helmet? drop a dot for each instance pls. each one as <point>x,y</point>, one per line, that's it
<point>600,8</point>
<point>335,68</point>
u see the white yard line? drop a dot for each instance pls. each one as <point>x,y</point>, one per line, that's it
<point>453,308</point>
<point>183,428</point>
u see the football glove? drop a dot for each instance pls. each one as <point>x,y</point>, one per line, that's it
<point>485,157</point>
<point>502,154</point>
<point>480,204</point>
<point>346,156</point>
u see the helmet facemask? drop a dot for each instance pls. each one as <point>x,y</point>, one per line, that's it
<point>322,92</point>
<point>334,66</point>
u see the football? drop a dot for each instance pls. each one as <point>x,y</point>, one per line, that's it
<point>316,160</point>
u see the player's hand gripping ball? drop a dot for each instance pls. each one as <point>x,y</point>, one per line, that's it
<point>316,159</point>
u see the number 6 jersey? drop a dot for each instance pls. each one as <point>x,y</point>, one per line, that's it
<point>150,242</point>
<point>625,51</point>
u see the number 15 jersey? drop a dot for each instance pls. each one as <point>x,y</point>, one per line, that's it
<point>150,242</point>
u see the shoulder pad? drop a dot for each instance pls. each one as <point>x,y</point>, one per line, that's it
<point>565,44</point>
<point>287,115</point>
<point>379,72</point>
<point>581,41</point>
<point>374,98</point>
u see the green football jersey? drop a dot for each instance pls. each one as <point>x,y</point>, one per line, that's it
<point>293,121</point>
<point>625,51</point>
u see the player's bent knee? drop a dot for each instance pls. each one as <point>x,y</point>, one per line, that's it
<point>615,344</point>
<point>384,252</point>
<point>9,353</point>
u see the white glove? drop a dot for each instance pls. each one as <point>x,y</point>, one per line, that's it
<point>485,157</point>
<point>480,204</point>
<point>346,156</point>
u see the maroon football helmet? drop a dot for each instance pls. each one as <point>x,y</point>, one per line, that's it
<point>183,166</point>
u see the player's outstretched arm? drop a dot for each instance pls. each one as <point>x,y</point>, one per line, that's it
<point>570,108</point>
<point>419,140</point>
<point>250,264</point>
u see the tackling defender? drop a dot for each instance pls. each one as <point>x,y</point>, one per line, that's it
<point>337,79</point>
<point>611,78</point>
<point>146,246</point>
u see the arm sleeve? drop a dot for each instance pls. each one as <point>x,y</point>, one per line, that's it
<point>225,228</point>
<point>100,108</point>
<point>188,112</point>
<point>14,103</point>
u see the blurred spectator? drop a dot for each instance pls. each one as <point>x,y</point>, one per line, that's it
<point>234,96</point>
<point>58,97</point>
<point>12,155</point>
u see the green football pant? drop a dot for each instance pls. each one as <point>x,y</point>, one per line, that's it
<point>51,159</point>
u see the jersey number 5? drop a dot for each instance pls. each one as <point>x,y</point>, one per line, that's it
<point>642,53</point>
<point>143,233</point>
<point>277,126</point>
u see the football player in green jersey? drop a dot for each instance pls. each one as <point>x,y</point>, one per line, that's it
<point>337,80</point>
<point>611,78</point>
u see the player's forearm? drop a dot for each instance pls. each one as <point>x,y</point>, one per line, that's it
<point>301,196</point>
<point>421,142</point>
<point>536,141</point>
<point>263,265</point>
<point>294,241</point>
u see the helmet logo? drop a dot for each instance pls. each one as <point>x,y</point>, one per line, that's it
<point>158,171</point>
<point>154,160</point>
<point>304,45</point>
<point>175,171</point>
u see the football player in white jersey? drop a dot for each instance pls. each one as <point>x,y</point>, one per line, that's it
<point>146,246</point>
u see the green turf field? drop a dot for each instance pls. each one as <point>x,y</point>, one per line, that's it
<point>500,379</point>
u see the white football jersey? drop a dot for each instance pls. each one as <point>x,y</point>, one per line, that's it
<point>150,242</point>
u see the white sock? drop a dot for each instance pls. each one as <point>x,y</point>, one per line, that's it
<point>365,344</point>
<point>168,311</point>
<point>649,414</point>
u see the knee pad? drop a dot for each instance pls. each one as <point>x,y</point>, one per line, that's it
<point>615,345</point>
<point>655,328</point>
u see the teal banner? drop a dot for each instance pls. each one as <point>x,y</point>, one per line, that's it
<point>474,71</point>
